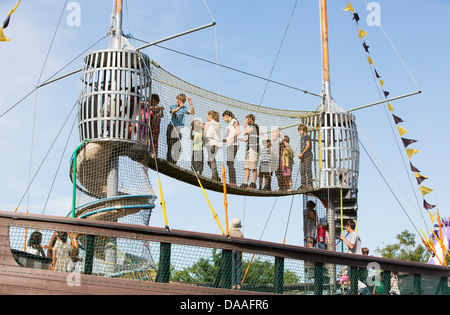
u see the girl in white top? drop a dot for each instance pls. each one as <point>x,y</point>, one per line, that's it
<point>34,244</point>
<point>233,131</point>
<point>213,135</point>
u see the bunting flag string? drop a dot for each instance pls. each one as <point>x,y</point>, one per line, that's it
<point>6,23</point>
<point>402,131</point>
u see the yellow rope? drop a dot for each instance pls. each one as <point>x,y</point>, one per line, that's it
<point>246,270</point>
<point>163,204</point>
<point>212,210</point>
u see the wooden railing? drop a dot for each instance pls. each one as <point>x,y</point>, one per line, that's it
<point>281,255</point>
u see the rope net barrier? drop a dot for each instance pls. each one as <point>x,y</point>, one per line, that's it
<point>188,131</point>
<point>69,254</point>
<point>248,139</point>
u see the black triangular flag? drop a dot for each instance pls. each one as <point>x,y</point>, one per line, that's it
<point>407,142</point>
<point>6,23</point>
<point>427,206</point>
<point>413,168</point>
<point>376,73</point>
<point>356,17</point>
<point>386,94</point>
<point>367,50</point>
<point>397,119</point>
<point>420,179</point>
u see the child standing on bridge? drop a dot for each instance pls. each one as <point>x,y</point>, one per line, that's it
<point>173,134</point>
<point>305,157</point>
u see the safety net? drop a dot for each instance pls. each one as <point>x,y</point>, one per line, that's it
<point>196,132</point>
<point>194,266</point>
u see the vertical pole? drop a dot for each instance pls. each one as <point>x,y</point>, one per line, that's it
<point>417,284</point>
<point>112,183</point>
<point>278,277</point>
<point>354,277</point>
<point>443,286</point>
<point>325,52</point>
<point>118,40</point>
<point>386,282</point>
<point>331,219</point>
<point>89,259</point>
<point>226,267</point>
<point>113,176</point>
<point>163,274</point>
<point>318,278</point>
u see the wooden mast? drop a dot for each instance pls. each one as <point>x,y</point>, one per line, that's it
<point>326,57</point>
<point>118,18</point>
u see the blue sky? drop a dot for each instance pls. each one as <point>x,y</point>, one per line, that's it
<point>249,34</point>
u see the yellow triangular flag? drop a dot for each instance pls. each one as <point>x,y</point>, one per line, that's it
<point>425,190</point>
<point>418,175</point>
<point>361,33</point>
<point>391,108</point>
<point>349,7</point>
<point>2,37</point>
<point>411,152</point>
<point>402,130</point>
<point>371,61</point>
<point>432,216</point>
<point>381,83</point>
<point>15,8</point>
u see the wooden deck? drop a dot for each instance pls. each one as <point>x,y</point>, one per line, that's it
<point>16,279</point>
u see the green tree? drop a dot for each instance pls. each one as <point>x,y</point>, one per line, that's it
<point>405,249</point>
<point>205,270</point>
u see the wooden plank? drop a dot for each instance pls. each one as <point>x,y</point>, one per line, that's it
<point>30,281</point>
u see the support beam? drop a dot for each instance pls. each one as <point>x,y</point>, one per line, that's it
<point>175,36</point>
<point>384,101</point>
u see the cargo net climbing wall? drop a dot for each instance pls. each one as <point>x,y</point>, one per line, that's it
<point>194,141</point>
<point>112,184</point>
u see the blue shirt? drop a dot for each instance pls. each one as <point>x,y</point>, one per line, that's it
<point>303,141</point>
<point>177,119</point>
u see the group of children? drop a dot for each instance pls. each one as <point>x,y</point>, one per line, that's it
<point>275,155</point>
<point>315,231</point>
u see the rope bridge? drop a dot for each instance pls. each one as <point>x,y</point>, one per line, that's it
<point>134,115</point>
<point>126,100</point>
<point>189,167</point>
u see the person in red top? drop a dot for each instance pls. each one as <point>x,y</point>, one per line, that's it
<point>322,234</point>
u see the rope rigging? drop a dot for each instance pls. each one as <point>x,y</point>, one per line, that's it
<point>49,79</point>
<point>383,94</point>
<point>230,68</point>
